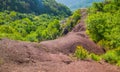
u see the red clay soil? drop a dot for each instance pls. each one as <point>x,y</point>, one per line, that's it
<point>17,56</point>
<point>51,56</point>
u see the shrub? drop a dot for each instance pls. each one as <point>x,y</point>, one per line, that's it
<point>105,26</point>
<point>112,56</point>
<point>105,44</point>
<point>95,57</point>
<point>32,37</point>
<point>81,53</point>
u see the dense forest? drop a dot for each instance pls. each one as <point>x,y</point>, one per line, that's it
<point>103,26</point>
<point>21,23</point>
<point>35,6</point>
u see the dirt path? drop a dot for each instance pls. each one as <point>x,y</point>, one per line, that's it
<point>53,55</point>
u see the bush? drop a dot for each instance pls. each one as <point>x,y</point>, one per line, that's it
<point>31,37</point>
<point>105,26</point>
<point>81,53</point>
<point>95,57</point>
<point>112,56</point>
<point>110,8</point>
<point>105,44</point>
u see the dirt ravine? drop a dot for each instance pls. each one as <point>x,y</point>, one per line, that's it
<point>53,55</point>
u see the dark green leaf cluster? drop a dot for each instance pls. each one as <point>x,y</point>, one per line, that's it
<point>28,27</point>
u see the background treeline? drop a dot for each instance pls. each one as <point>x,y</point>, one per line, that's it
<point>35,6</point>
<point>29,27</point>
<point>103,26</point>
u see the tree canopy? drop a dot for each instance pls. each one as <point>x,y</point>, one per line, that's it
<point>35,6</point>
<point>103,23</point>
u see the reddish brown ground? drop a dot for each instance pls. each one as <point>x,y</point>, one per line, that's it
<point>53,55</point>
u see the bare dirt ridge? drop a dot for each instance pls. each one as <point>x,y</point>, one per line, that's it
<point>53,55</point>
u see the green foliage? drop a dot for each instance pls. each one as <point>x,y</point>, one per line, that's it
<point>103,24</point>
<point>51,6</point>
<point>51,32</point>
<point>95,57</point>
<point>42,22</point>
<point>95,8</point>
<point>81,52</point>
<point>110,8</point>
<point>29,27</point>
<point>35,6</point>
<point>31,37</point>
<point>112,56</point>
<point>71,21</point>
<point>106,6</point>
<point>9,32</point>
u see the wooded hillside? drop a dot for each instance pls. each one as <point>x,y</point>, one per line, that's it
<point>35,6</point>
